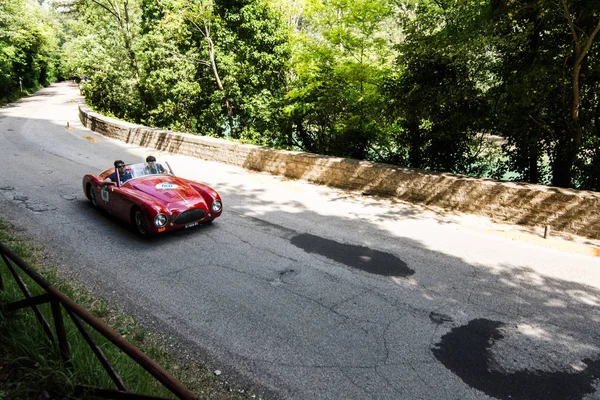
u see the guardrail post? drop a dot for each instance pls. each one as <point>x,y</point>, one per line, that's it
<point>61,334</point>
<point>97,351</point>
<point>25,291</point>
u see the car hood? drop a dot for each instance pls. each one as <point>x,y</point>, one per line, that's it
<point>168,190</point>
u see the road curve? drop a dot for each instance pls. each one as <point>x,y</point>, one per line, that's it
<point>305,292</point>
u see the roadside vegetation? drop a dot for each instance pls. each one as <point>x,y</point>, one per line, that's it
<point>421,84</point>
<point>30,48</point>
<point>31,366</point>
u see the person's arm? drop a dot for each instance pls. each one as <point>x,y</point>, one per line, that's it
<point>111,178</point>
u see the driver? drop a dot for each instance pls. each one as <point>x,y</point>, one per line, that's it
<point>124,175</point>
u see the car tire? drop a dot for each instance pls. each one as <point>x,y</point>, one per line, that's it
<point>139,222</point>
<point>91,195</point>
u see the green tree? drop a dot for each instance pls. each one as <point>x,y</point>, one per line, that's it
<point>419,84</point>
<point>181,65</point>
<point>255,54</point>
<point>103,45</point>
<point>546,98</point>
<point>341,51</point>
<point>436,94</point>
<point>29,53</point>
<point>179,74</point>
<point>529,71</point>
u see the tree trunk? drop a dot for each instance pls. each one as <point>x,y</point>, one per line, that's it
<point>124,27</point>
<point>568,149</point>
<point>561,169</point>
<point>534,156</point>
<point>228,107</point>
<point>415,152</point>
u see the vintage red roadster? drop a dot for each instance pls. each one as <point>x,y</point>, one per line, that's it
<point>152,198</point>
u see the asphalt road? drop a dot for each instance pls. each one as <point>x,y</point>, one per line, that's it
<point>307,292</point>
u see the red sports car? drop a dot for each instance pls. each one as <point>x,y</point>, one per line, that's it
<point>152,198</point>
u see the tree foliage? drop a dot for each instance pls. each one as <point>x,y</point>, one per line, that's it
<point>546,101</point>
<point>437,93</point>
<point>429,84</point>
<point>187,65</point>
<point>528,73</point>
<point>340,55</point>
<point>29,49</point>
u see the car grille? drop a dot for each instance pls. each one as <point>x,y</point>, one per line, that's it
<point>189,216</point>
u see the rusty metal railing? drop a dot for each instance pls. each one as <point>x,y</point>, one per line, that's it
<point>79,315</point>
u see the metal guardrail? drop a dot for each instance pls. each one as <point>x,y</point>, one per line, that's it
<point>79,315</point>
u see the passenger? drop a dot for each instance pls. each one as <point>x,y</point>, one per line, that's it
<point>124,175</point>
<point>153,167</point>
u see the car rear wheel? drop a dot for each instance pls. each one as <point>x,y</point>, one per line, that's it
<point>91,194</point>
<point>139,221</point>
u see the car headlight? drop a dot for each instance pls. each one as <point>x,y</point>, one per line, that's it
<point>160,220</point>
<point>216,206</point>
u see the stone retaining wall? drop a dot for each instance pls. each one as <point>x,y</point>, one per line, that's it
<point>565,210</point>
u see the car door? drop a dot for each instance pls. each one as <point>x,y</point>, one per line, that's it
<point>120,203</point>
<point>104,197</point>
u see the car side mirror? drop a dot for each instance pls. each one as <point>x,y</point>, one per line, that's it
<point>105,184</point>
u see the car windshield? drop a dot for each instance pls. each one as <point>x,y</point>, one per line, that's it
<point>151,168</point>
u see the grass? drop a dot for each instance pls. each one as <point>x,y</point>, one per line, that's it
<point>31,366</point>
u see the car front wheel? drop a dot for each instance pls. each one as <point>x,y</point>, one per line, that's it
<point>139,221</point>
<point>91,194</point>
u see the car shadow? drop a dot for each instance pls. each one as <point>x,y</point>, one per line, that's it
<point>127,228</point>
